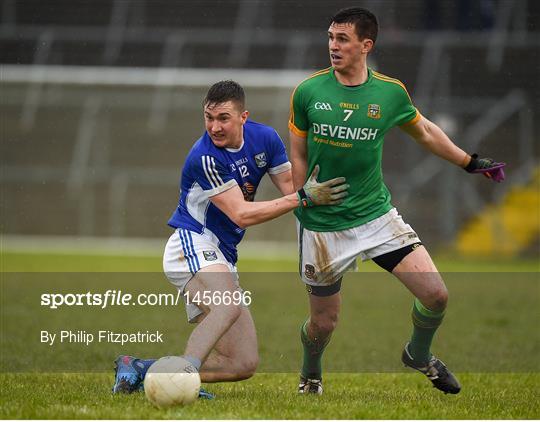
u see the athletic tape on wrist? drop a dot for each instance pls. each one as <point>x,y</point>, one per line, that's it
<point>303,198</point>
<point>473,164</point>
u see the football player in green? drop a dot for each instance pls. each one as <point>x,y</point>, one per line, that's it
<point>338,119</point>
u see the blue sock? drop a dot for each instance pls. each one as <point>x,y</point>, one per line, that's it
<point>194,361</point>
<point>143,365</point>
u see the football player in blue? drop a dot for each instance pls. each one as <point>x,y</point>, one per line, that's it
<point>218,185</point>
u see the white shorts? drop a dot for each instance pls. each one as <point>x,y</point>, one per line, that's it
<point>326,256</point>
<point>186,253</point>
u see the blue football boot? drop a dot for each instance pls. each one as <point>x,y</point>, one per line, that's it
<point>127,376</point>
<point>203,394</point>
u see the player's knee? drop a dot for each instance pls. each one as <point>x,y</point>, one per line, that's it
<point>249,366</point>
<point>438,299</point>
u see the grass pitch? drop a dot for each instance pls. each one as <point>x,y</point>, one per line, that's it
<point>489,338</point>
<point>272,396</point>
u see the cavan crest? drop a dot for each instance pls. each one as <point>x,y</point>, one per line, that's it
<point>260,159</point>
<point>210,255</point>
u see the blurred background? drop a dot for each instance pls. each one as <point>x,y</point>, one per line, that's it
<point>101,101</point>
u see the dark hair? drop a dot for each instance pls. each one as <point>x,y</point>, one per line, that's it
<point>364,21</point>
<point>224,91</point>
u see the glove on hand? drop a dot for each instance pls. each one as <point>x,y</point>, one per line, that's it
<point>330,192</point>
<point>487,166</point>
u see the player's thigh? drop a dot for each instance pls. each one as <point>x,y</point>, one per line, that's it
<point>240,341</point>
<point>326,256</point>
<point>195,259</point>
<point>208,287</point>
<point>419,274</point>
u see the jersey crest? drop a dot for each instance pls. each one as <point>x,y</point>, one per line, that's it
<point>210,255</point>
<point>260,160</point>
<point>374,111</point>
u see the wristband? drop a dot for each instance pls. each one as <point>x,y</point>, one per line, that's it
<point>473,164</point>
<point>303,198</point>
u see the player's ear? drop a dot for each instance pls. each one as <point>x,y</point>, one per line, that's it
<point>244,116</point>
<point>367,45</point>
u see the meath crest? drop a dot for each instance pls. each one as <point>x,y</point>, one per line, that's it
<point>260,159</point>
<point>310,272</point>
<point>374,111</point>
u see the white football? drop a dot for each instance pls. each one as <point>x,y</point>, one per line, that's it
<point>172,381</point>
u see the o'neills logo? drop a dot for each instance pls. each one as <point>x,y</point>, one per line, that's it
<point>345,133</point>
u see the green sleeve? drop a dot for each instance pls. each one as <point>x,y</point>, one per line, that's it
<point>298,120</point>
<point>405,112</point>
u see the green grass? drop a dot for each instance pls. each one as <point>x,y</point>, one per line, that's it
<point>272,396</point>
<point>18,261</point>
<point>489,338</point>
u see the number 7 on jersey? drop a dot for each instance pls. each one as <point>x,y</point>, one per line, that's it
<point>347,114</point>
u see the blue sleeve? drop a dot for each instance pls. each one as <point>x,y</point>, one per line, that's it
<point>212,175</point>
<point>278,160</point>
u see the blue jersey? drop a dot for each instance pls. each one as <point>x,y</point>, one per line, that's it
<point>210,170</point>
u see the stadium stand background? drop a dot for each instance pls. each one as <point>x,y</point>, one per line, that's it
<point>101,100</point>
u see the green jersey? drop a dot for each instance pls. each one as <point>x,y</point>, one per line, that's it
<point>345,128</point>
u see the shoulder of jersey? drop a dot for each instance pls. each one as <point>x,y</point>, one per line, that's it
<point>259,128</point>
<point>388,80</point>
<point>203,146</point>
<point>252,124</point>
<point>316,78</point>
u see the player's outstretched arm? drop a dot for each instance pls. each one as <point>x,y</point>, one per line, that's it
<point>245,214</point>
<point>432,137</point>
<point>283,181</point>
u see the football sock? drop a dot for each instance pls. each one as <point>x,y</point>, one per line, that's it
<point>143,365</point>
<point>313,351</point>
<point>194,361</point>
<point>425,323</point>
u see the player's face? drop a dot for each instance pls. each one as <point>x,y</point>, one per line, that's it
<point>346,50</point>
<point>224,123</point>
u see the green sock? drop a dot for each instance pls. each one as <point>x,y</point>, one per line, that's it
<point>425,323</point>
<point>313,351</point>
